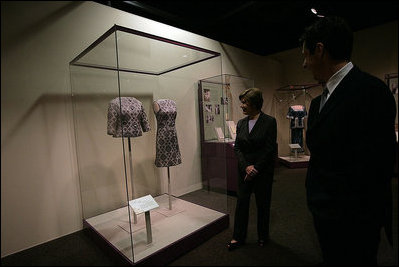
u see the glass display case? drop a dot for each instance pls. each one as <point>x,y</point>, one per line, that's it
<point>137,139</point>
<point>291,104</point>
<point>219,111</point>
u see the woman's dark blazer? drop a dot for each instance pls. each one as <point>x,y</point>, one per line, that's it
<point>257,148</point>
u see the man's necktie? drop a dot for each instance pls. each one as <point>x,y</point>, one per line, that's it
<point>323,98</point>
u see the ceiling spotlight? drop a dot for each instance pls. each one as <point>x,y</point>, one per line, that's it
<point>314,11</point>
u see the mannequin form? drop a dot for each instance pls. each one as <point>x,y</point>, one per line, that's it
<point>296,114</point>
<point>167,147</point>
<point>127,118</point>
<point>131,112</point>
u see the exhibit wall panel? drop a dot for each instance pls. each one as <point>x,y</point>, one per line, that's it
<point>265,71</point>
<point>375,50</point>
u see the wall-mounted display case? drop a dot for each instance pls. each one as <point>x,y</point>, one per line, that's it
<point>137,139</point>
<point>291,104</point>
<point>219,112</point>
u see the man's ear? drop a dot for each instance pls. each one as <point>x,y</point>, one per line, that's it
<point>319,49</point>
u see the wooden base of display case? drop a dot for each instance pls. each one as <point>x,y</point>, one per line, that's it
<point>174,232</point>
<point>219,167</point>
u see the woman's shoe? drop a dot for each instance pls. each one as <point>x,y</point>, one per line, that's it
<point>232,246</point>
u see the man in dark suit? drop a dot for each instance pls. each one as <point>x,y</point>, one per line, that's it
<point>351,139</point>
<point>255,147</point>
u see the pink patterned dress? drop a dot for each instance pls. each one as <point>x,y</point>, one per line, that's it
<point>167,147</point>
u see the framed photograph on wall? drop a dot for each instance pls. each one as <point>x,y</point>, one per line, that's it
<point>207,95</point>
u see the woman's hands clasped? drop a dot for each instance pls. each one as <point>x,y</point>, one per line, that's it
<point>251,172</point>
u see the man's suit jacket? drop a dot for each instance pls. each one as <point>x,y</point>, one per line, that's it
<point>352,146</point>
<point>257,148</point>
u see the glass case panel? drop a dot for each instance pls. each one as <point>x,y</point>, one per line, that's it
<point>220,111</point>
<point>150,54</point>
<point>291,105</point>
<point>137,144</point>
<point>220,106</point>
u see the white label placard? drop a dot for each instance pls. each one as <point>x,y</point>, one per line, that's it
<point>294,146</point>
<point>219,133</point>
<point>143,204</point>
<point>232,129</point>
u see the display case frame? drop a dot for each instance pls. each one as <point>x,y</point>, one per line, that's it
<point>391,80</point>
<point>291,104</point>
<point>117,175</point>
<point>218,160</point>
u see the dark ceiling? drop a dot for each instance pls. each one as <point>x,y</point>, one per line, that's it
<point>261,27</point>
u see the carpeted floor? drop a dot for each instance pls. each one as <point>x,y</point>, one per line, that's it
<point>293,240</point>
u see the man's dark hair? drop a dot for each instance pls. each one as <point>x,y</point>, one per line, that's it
<point>253,96</point>
<point>334,33</point>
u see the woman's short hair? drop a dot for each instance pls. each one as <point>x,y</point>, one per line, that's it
<point>253,96</point>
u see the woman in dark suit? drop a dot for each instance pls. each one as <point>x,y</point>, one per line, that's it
<point>255,147</point>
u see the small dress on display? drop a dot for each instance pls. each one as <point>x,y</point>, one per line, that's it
<point>167,147</point>
<point>296,114</point>
<point>134,119</point>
